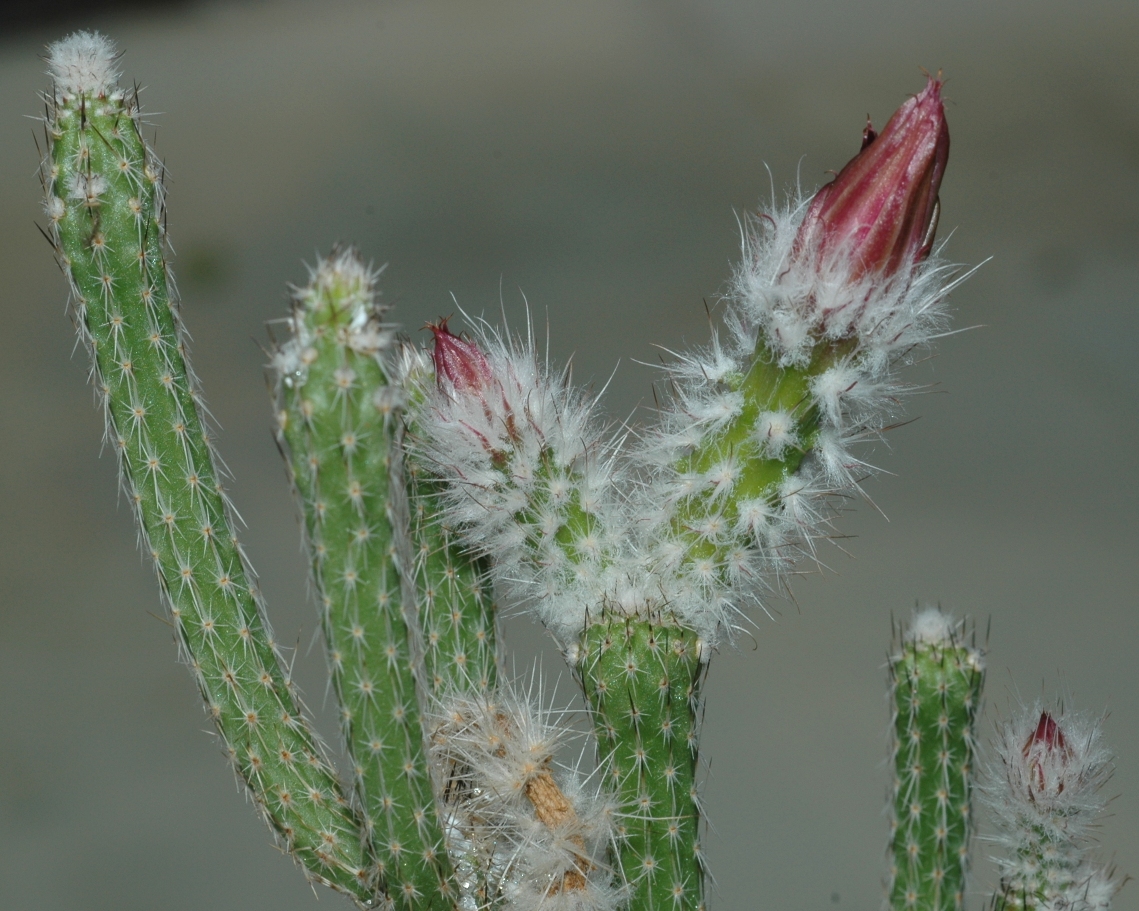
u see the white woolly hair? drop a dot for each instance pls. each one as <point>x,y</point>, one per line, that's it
<point>1032,789</point>
<point>534,482</point>
<point>797,300</point>
<point>489,750</point>
<point>1093,890</point>
<point>1045,798</point>
<point>531,471</point>
<point>932,626</point>
<point>83,63</point>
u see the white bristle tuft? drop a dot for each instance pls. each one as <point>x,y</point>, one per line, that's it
<point>83,63</point>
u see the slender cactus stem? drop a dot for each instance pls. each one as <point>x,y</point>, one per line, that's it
<point>337,420</point>
<point>641,680</point>
<point>937,680</point>
<point>456,611</point>
<point>104,199</point>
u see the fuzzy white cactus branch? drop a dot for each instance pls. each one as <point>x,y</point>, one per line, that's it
<point>530,473</point>
<point>831,297</point>
<point>1043,785</point>
<point>532,834</point>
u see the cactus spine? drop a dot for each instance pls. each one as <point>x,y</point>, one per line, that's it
<point>641,680</point>
<point>104,201</point>
<point>337,418</point>
<point>936,680</point>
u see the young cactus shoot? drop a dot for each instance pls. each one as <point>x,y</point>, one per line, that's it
<point>437,484</point>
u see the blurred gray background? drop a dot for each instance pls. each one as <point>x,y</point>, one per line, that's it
<point>592,157</point>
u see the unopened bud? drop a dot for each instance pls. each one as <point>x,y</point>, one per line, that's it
<point>1047,747</point>
<point>458,361</point>
<point>881,209</point>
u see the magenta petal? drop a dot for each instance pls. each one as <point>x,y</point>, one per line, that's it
<point>881,208</point>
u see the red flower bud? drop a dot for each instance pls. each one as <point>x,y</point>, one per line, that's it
<point>882,207</point>
<point>1046,747</point>
<point>459,361</point>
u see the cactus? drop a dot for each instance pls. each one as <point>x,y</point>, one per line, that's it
<point>433,484</point>
<point>1043,787</point>
<point>455,604</point>
<point>104,202</point>
<point>936,680</point>
<point>642,680</point>
<point>337,422</point>
<point>456,610</point>
<point>531,834</point>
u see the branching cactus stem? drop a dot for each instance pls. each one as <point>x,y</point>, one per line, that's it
<point>338,416</point>
<point>641,680</point>
<point>757,442</point>
<point>936,680</point>
<point>104,202</point>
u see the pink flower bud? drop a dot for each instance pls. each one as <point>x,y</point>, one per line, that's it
<point>881,209</point>
<point>459,362</point>
<point>1047,750</point>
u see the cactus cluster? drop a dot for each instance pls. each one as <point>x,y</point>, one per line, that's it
<point>433,484</point>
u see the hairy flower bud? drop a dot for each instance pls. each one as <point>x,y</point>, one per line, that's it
<point>458,361</point>
<point>1047,754</point>
<point>881,209</point>
<point>1053,765</point>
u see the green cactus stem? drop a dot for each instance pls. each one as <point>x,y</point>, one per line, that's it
<point>936,681</point>
<point>104,201</point>
<point>456,612</point>
<point>641,680</point>
<point>456,608</point>
<point>338,417</point>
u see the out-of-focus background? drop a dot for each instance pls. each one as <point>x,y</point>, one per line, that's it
<point>591,158</point>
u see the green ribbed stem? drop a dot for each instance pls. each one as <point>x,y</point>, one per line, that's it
<point>641,681</point>
<point>937,692</point>
<point>765,387</point>
<point>456,612</point>
<point>337,426</point>
<point>104,198</point>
